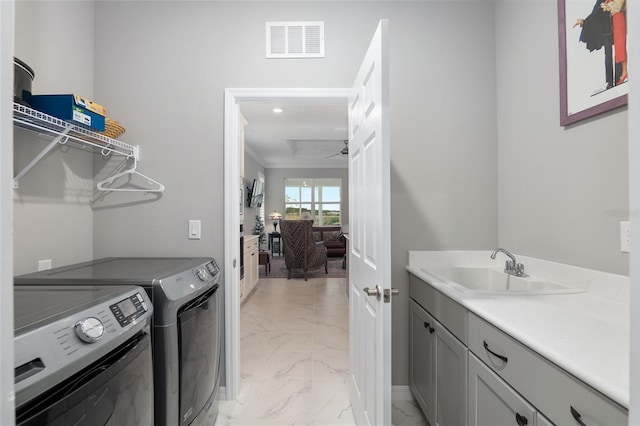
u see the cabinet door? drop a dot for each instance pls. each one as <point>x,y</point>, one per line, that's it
<point>542,420</point>
<point>422,359</point>
<point>254,266</point>
<point>451,378</point>
<point>247,272</point>
<point>492,401</point>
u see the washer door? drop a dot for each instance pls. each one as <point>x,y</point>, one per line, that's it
<point>199,344</point>
<point>116,390</point>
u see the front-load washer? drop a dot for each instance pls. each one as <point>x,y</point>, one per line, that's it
<point>83,356</point>
<point>186,326</point>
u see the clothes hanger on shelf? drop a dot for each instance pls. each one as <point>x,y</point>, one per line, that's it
<point>130,172</point>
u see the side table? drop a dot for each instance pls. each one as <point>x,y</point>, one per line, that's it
<point>263,259</point>
<point>275,243</point>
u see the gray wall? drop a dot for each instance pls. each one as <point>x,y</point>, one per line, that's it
<point>275,189</point>
<point>162,71</point>
<point>251,171</point>
<point>52,213</point>
<point>465,173</point>
<point>562,191</point>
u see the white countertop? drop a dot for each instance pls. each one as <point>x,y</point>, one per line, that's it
<point>586,334</point>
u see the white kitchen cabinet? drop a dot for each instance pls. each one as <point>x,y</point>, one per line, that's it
<point>493,402</point>
<point>250,266</point>
<point>438,369</point>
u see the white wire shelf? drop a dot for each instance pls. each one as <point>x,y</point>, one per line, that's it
<point>39,122</point>
<point>63,132</point>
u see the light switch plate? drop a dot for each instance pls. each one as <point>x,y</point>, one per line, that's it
<point>43,265</point>
<point>195,229</point>
<point>625,237</point>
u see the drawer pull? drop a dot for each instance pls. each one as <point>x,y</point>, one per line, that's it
<point>428,327</point>
<point>521,420</point>
<point>577,416</point>
<point>502,357</point>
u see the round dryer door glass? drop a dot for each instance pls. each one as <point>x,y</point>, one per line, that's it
<point>90,329</point>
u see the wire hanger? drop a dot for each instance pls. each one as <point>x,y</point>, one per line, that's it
<point>132,171</point>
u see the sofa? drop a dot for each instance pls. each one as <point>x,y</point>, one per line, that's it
<point>333,239</point>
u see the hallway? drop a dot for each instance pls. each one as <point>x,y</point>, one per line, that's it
<point>294,351</point>
<point>295,358</point>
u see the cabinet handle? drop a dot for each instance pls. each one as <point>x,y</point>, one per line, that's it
<point>502,357</point>
<point>428,327</point>
<point>521,420</point>
<point>577,416</point>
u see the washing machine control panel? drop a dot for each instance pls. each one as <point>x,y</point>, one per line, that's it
<point>129,309</point>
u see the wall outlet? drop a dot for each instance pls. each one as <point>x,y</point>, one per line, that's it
<point>43,265</point>
<point>195,229</point>
<point>625,237</point>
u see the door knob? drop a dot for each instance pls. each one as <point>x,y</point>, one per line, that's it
<point>372,291</point>
<point>388,292</point>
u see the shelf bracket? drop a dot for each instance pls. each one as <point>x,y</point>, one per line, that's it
<point>61,138</point>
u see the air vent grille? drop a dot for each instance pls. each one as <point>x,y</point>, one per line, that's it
<point>295,39</point>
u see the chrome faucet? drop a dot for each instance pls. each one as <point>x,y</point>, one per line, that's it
<point>511,267</point>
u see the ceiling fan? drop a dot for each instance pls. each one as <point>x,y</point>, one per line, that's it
<point>343,151</point>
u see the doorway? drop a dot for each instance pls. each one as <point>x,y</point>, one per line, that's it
<point>234,97</point>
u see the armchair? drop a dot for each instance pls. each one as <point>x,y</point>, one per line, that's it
<point>300,249</point>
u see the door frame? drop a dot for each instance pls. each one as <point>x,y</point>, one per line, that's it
<point>232,99</point>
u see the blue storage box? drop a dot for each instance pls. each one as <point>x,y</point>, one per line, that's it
<point>71,108</point>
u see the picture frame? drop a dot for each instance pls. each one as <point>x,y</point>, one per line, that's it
<point>586,87</point>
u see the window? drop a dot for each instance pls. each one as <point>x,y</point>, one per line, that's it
<point>317,199</point>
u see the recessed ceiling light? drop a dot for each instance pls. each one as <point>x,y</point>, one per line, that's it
<point>277,110</point>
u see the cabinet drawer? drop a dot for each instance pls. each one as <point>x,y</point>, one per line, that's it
<point>557,394</point>
<point>492,401</point>
<point>448,312</point>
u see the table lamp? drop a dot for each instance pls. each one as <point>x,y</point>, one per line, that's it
<point>275,216</point>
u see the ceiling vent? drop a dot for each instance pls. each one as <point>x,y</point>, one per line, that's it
<point>295,39</point>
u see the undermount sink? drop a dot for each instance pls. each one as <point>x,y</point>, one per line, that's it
<point>495,281</point>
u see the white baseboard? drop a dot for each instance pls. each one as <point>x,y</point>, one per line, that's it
<point>401,393</point>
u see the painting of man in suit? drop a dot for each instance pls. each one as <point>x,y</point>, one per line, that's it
<point>596,52</point>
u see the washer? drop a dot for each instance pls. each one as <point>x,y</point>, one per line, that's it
<point>83,356</point>
<point>186,326</point>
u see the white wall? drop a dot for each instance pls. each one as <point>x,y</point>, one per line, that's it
<point>562,191</point>
<point>53,216</point>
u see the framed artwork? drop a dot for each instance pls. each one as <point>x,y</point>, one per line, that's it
<point>593,57</point>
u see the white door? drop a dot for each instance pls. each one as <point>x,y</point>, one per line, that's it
<point>369,250</point>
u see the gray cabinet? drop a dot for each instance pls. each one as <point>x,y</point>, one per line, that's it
<point>564,399</point>
<point>422,359</point>
<point>493,402</point>
<point>437,369</point>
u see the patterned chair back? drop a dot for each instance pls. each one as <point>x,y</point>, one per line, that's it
<point>300,249</point>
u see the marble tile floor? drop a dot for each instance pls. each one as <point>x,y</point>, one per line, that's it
<point>295,358</point>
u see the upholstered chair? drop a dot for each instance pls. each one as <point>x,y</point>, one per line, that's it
<point>300,249</point>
